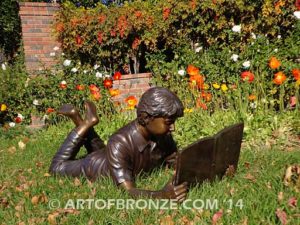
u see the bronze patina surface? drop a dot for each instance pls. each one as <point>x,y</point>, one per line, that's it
<point>140,146</point>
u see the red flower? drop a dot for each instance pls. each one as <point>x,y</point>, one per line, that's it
<point>131,101</point>
<point>117,75</point>
<point>63,85</point>
<point>113,33</point>
<point>94,88</point>
<point>18,119</point>
<point>247,76</point>
<point>80,87</point>
<point>79,40</point>
<point>50,110</point>
<point>99,37</point>
<point>166,13</point>
<point>107,83</point>
<point>296,74</point>
<point>279,78</point>
<point>297,4</point>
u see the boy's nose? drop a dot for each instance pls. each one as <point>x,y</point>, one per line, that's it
<point>172,127</point>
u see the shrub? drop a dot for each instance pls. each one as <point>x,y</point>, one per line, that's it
<point>10,28</point>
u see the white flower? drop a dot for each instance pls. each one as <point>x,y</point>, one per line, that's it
<point>21,145</point>
<point>96,66</point>
<point>253,105</point>
<point>234,57</point>
<point>99,75</point>
<point>74,70</point>
<point>181,72</point>
<point>63,82</point>
<point>20,116</point>
<point>276,50</point>
<point>62,54</point>
<point>11,124</point>
<point>253,35</point>
<point>67,62</point>
<point>52,54</point>
<point>85,71</point>
<point>246,64</point>
<point>56,48</point>
<point>196,45</point>
<point>107,75</point>
<point>3,66</point>
<point>198,49</point>
<point>279,36</point>
<point>35,102</point>
<point>236,28</point>
<point>297,14</point>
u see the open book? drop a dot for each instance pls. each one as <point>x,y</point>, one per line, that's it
<point>210,157</point>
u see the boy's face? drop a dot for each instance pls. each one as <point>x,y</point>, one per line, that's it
<point>161,125</point>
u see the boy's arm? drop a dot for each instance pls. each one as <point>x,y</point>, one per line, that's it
<point>168,192</point>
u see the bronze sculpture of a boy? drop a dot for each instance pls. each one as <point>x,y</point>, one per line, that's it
<point>140,146</point>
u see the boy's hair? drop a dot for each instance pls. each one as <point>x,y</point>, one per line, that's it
<point>159,102</point>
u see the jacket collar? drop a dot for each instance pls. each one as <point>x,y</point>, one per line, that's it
<point>140,142</point>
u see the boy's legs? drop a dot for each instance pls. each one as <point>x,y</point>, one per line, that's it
<point>92,141</point>
<point>64,162</point>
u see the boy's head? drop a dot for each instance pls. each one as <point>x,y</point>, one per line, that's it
<point>156,105</point>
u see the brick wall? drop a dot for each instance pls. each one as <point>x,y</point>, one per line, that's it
<point>132,84</point>
<point>36,19</point>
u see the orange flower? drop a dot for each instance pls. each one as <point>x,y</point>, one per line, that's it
<point>206,96</point>
<point>117,75</point>
<point>60,27</point>
<point>274,63</point>
<point>193,4</point>
<point>131,101</point>
<point>197,80</point>
<point>136,43</point>
<point>251,97</point>
<point>138,14</point>
<point>102,19</point>
<point>50,110</point>
<point>107,83</point>
<point>279,78</point>
<point>200,104</point>
<point>99,37</point>
<point>96,95</point>
<point>192,70</point>
<point>80,87</point>
<point>166,13</point>
<point>247,76</point>
<point>296,74</point>
<point>114,92</point>
<point>94,88</point>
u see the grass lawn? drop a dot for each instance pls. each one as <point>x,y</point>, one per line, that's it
<point>252,196</point>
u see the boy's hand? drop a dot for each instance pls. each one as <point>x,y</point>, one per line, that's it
<point>177,192</point>
<point>171,160</point>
